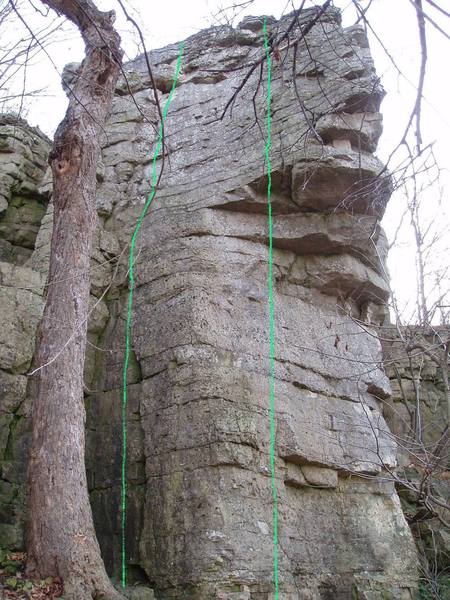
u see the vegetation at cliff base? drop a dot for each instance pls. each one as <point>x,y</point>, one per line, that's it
<point>15,585</point>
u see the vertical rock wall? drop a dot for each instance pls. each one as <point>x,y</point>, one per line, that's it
<point>23,157</point>
<point>199,494</point>
<point>416,361</point>
<point>200,504</point>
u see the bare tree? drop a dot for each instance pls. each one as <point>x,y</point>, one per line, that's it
<point>62,540</point>
<point>17,54</point>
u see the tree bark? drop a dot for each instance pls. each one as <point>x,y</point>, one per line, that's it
<point>62,540</point>
<point>445,379</point>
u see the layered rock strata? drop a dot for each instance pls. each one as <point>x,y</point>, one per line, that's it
<point>23,158</point>
<point>200,497</point>
<point>199,493</point>
<point>417,414</point>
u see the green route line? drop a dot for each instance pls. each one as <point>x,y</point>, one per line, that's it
<point>131,287</point>
<point>271,318</point>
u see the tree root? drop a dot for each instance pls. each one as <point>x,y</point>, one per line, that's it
<point>96,589</point>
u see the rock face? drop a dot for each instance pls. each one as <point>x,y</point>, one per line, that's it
<point>23,158</point>
<point>199,491</point>
<point>415,364</point>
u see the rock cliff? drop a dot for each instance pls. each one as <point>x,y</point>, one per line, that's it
<point>199,494</point>
<point>417,414</point>
<point>23,158</point>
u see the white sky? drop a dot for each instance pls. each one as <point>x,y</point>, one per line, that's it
<point>394,21</point>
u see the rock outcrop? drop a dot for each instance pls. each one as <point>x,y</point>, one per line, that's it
<point>417,414</point>
<point>23,159</point>
<point>199,493</point>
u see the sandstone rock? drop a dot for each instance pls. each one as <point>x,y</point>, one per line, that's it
<point>294,475</point>
<point>200,326</point>
<point>414,373</point>
<point>361,130</point>
<point>138,593</point>
<point>23,157</point>
<point>21,291</point>
<point>346,276</point>
<point>242,594</point>
<point>199,486</point>
<point>319,477</point>
<point>359,184</point>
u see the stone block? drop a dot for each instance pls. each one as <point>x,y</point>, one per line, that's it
<point>320,477</point>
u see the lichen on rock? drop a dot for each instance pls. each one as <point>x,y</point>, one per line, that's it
<point>199,513</point>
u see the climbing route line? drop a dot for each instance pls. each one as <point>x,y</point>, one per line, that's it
<point>271,318</point>
<point>131,287</point>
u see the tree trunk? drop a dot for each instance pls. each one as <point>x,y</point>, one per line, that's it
<point>445,380</point>
<point>62,539</point>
